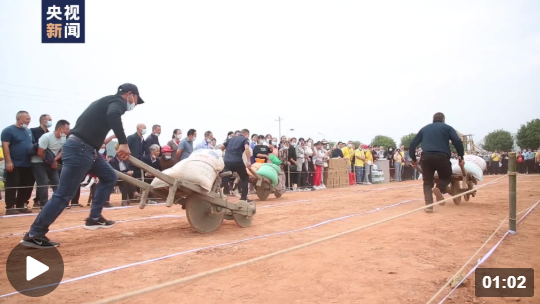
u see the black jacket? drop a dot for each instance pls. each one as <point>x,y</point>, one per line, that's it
<point>115,164</point>
<point>151,140</point>
<point>136,146</point>
<point>155,165</point>
<point>435,138</point>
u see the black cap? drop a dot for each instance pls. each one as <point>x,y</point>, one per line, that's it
<point>129,87</point>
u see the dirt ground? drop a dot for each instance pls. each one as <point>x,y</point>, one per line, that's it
<point>406,260</point>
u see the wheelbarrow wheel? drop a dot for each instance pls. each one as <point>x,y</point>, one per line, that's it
<point>263,193</point>
<point>455,190</point>
<point>242,220</point>
<point>278,194</point>
<point>200,216</point>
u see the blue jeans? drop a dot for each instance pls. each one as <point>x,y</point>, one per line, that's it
<point>79,159</point>
<point>359,174</point>
<point>44,176</point>
<point>398,167</point>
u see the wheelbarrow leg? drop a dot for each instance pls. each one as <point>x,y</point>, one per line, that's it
<point>172,192</point>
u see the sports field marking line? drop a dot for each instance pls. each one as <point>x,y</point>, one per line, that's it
<point>216,246</point>
<point>483,259</point>
<point>235,265</point>
<point>120,221</point>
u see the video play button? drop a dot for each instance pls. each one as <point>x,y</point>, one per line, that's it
<point>34,268</point>
<point>34,272</point>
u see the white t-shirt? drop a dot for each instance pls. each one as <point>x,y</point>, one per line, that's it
<point>51,142</point>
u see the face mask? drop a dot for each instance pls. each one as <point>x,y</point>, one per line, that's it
<point>63,135</point>
<point>143,131</point>
<point>230,136</point>
<point>101,151</point>
<point>130,106</point>
<point>24,125</point>
<point>194,139</point>
<point>327,147</point>
<point>167,157</point>
<point>157,134</point>
<point>274,140</point>
<point>208,140</point>
<point>178,136</point>
<point>49,124</point>
<point>350,145</point>
<point>293,144</point>
<point>309,144</point>
<point>285,147</point>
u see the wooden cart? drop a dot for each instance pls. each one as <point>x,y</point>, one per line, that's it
<point>264,187</point>
<point>460,183</point>
<point>205,210</point>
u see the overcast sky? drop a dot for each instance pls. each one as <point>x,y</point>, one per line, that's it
<point>346,69</point>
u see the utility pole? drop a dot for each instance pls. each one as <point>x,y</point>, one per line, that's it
<point>279,120</point>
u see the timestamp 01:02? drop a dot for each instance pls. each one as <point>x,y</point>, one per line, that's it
<point>504,282</point>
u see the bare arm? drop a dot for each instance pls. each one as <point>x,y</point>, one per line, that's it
<point>41,153</point>
<point>109,139</point>
<point>178,154</point>
<point>248,153</point>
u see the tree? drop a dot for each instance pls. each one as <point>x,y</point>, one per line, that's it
<point>528,136</point>
<point>383,141</point>
<point>406,139</point>
<point>499,140</point>
<point>357,144</point>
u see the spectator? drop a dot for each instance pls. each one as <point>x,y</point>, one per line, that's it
<point>136,142</point>
<point>337,152</point>
<point>152,139</point>
<point>261,151</point>
<point>359,164</point>
<point>301,165</point>
<point>367,166</point>
<point>152,159</point>
<point>504,163</point>
<point>319,158</point>
<point>390,156</point>
<point>521,163</point>
<point>310,166</point>
<point>45,122</point>
<point>213,144</point>
<point>407,169</point>
<point>529,161</point>
<point>275,142</point>
<point>252,144</point>
<point>16,143</point>
<point>398,159</point>
<point>495,159</point>
<point>129,192</point>
<point>45,164</point>
<point>349,155</point>
<point>175,142</point>
<point>293,167</point>
<point>205,144</point>
<point>186,145</point>
<point>166,161</point>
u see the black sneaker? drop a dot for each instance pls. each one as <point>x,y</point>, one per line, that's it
<point>25,210</point>
<point>247,200</point>
<point>108,205</point>
<point>41,242</point>
<point>101,223</point>
<point>76,205</point>
<point>12,211</point>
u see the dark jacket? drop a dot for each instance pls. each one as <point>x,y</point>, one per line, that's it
<point>151,140</point>
<point>136,146</point>
<point>115,164</point>
<point>156,165</point>
<point>435,138</point>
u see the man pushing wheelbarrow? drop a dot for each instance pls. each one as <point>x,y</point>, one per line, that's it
<point>435,139</point>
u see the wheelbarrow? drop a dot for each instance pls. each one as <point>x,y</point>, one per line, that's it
<point>460,183</point>
<point>205,210</point>
<point>264,186</point>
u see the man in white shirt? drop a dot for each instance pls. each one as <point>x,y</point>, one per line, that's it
<point>45,164</point>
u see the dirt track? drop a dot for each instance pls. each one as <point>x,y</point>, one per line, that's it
<point>406,260</point>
